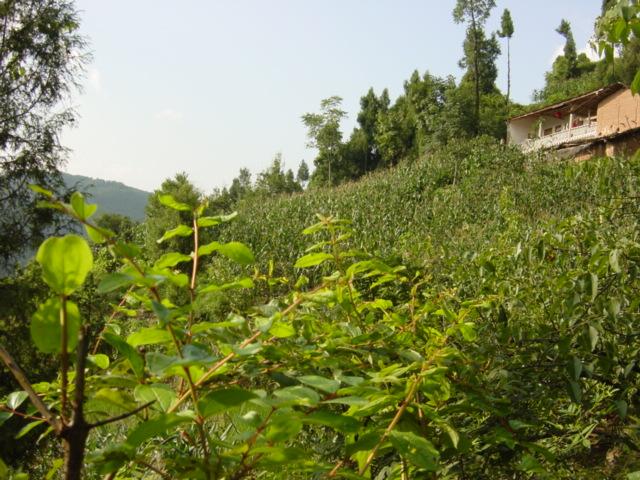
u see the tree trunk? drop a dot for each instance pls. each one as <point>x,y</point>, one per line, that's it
<point>75,441</point>
<point>476,67</point>
<point>508,73</point>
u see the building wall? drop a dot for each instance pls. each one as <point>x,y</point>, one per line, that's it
<point>618,113</point>
<point>518,130</point>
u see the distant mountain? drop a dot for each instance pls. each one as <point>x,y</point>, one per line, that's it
<point>111,197</point>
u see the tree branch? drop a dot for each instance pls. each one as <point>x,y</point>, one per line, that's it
<point>22,379</point>
<point>121,417</point>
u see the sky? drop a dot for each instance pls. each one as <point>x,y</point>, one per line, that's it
<point>208,87</point>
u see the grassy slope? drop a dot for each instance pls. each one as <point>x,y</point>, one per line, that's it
<point>448,205</point>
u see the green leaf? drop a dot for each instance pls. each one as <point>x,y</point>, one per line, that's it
<point>15,399</point>
<point>622,406</point>
<point>171,260</point>
<point>100,360</point>
<point>149,336</point>
<point>341,423</point>
<point>126,350</point>
<point>213,221</point>
<point>468,330</point>
<point>4,416</point>
<point>154,428</point>
<point>242,283</point>
<point>593,337</point>
<point>238,252</point>
<point>168,201</point>
<point>613,261</point>
<point>575,392</point>
<point>163,395</point>
<point>27,428</point>
<point>417,450</point>
<point>83,210</point>
<point>635,85</point>
<point>633,475</point>
<point>283,425</point>
<point>98,234</point>
<point>208,249</point>
<point>65,262</point>
<point>298,395</point>
<point>219,401</point>
<point>40,190</point>
<point>179,231</point>
<point>326,385</point>
<point>282,330</point>
<point>454,437</point>
<point>312,260</point>
<point>574,367</point>
<point>115,281</point>
<point>46,326</point>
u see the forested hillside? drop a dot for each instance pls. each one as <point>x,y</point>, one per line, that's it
<point>113,197</point>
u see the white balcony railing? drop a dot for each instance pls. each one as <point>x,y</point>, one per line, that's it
<point>558,138</point>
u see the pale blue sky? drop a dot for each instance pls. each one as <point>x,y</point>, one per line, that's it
<point>208,87</point>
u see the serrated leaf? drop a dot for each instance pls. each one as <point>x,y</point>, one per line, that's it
<point>312,260</point>
<point>46,326</point>
<point>65,262</point>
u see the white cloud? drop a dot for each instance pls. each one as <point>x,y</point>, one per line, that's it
<point>95,80</point>
<point>559,50</point>
<point>587,50</point>
<point>169,115</point>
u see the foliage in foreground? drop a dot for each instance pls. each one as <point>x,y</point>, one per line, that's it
<point>521,362</point>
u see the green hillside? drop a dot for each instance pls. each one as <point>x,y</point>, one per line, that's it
<point>112,197</point>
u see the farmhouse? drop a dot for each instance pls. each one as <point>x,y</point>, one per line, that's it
<point>601,122</point>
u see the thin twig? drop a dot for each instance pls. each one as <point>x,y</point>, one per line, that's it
<point>23,381</point>
<point>394,422</point>
<point>121,417</point>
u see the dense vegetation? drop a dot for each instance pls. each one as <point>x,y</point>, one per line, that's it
<point>469,313</point>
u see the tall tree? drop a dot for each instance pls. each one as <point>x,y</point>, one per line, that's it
<point>159,218</point>
<point>302,175</point>
<point>475,13</point>
<point>506,31</point>
<point>41,56</point>
<point>570,52</point>
<point>371,107</point>
<point>323,132</point>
